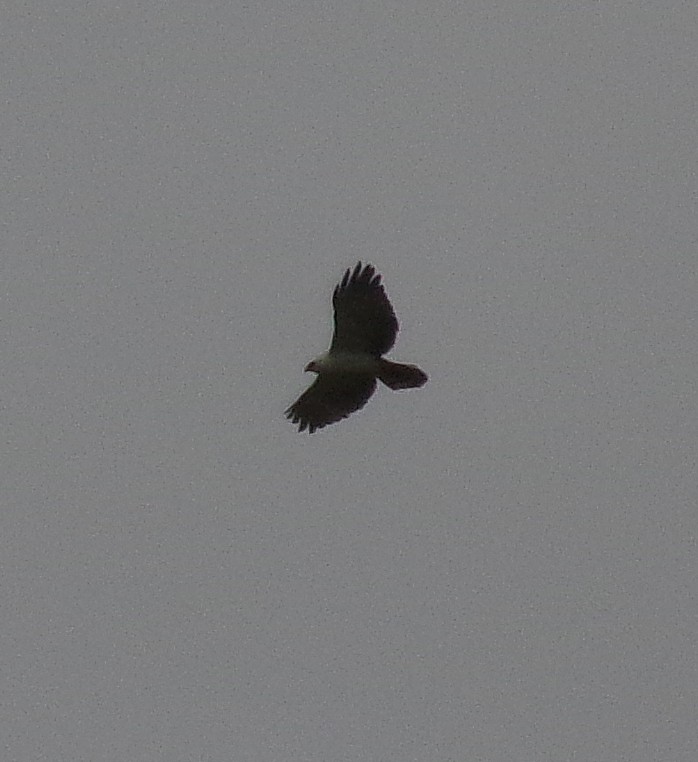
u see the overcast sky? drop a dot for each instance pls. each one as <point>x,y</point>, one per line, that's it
<point>500,566</point>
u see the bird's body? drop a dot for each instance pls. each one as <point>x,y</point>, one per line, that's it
<point>365,328</point>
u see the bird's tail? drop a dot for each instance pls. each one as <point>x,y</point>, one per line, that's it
<point>399,376</point>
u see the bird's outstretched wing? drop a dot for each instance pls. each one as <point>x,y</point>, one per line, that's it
<point>330,398</point>
<point>364,320</point>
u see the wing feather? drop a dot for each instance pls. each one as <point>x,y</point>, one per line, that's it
<point>330,398</point>
<point>364,320</point>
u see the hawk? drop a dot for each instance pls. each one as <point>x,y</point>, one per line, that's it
<point>365,328</point>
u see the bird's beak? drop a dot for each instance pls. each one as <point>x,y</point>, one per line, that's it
<point>309,366</point>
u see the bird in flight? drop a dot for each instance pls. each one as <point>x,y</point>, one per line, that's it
<point>365,328</point>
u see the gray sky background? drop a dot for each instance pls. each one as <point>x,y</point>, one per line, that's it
<point>499,566</point>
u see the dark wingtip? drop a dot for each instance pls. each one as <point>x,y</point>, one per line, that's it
<point>296,419</point>
<point>359,274</point>
<point>347,278</point>
<point>352,277</point>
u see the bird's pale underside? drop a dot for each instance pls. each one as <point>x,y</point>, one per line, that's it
<point>365,328</point>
